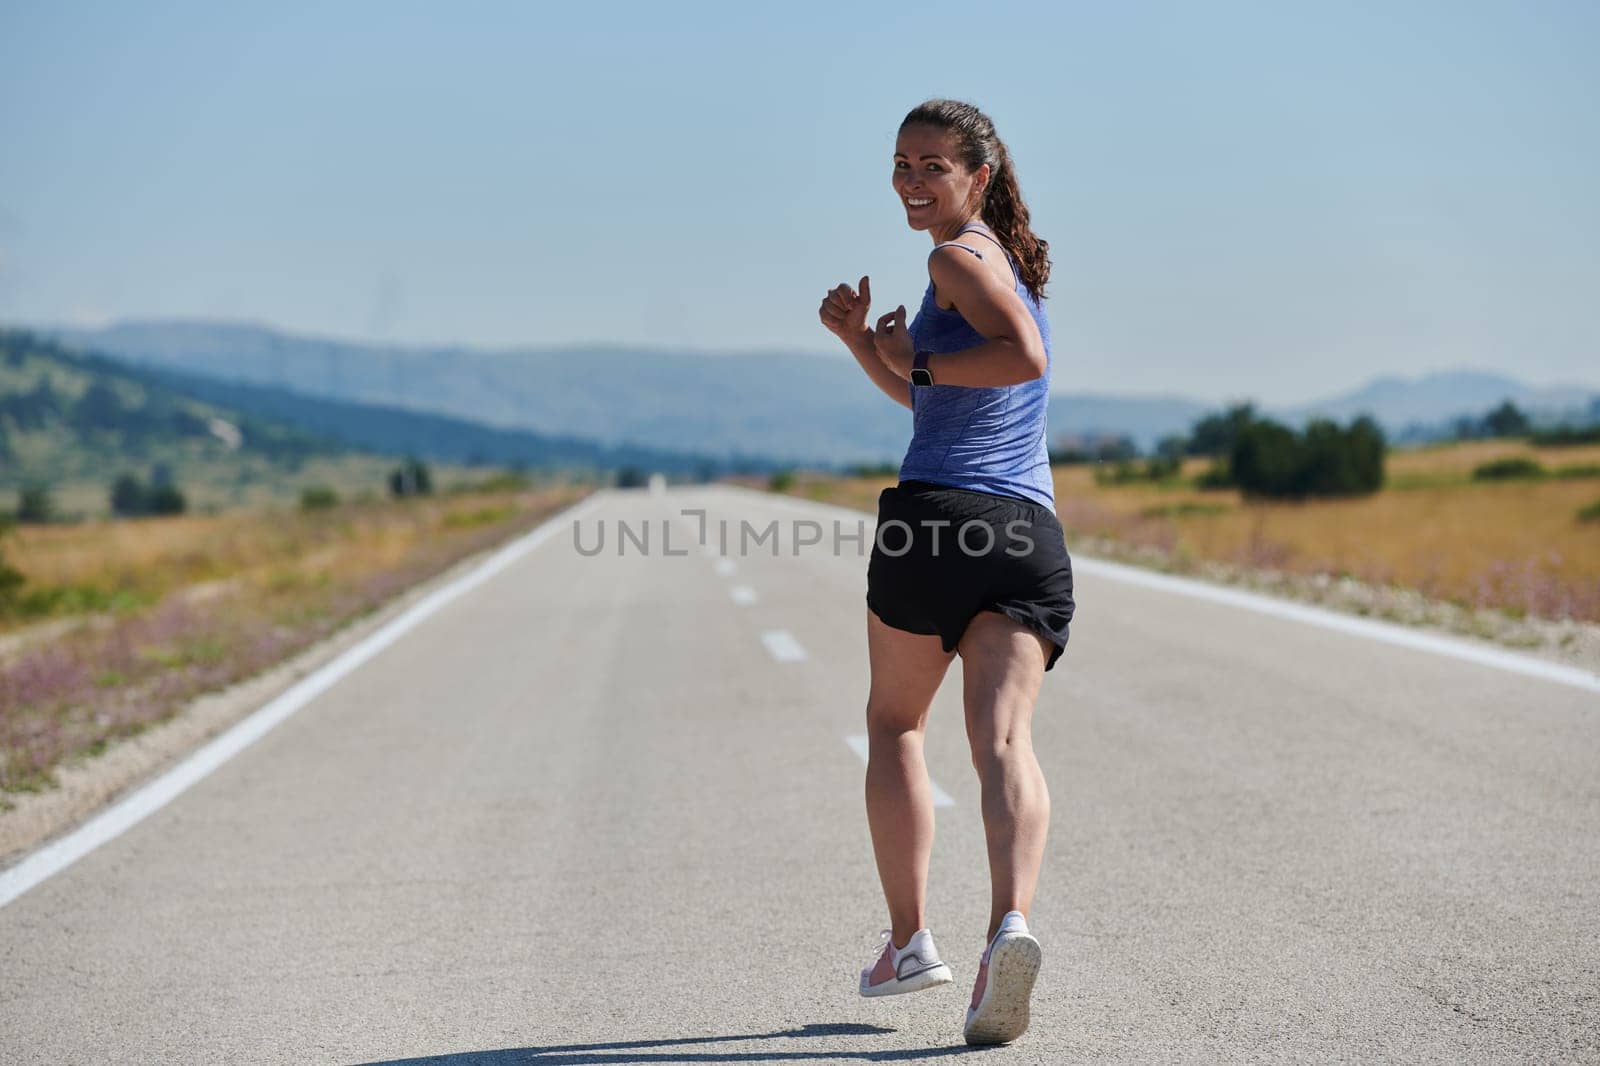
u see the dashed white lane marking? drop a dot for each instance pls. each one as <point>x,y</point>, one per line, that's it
<point>743,595</point>
<point>782,646</point>
<point>725,567</point>
<point>941,798</point>
<point>125,814</point>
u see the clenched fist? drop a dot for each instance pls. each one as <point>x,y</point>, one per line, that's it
<point>844,312</point>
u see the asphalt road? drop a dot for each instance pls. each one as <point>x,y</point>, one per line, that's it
<point>605,808</point>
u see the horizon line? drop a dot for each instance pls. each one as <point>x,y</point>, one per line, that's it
<point>1590,391</point>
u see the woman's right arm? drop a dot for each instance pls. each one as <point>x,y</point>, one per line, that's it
<point>844,313</point>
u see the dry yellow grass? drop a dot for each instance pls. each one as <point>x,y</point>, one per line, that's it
<point>1460,459</point>
<point>279,581</point>
<point>138,562</point>
<point>1516,545</point>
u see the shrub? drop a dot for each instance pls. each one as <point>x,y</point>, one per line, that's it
<point>1590,513</point>
<point>781,481</point>
<point>1507,420</point>
<point>410,478</point>
<point>1343,462</point>
<point>1117,449</point>
<point>1216,476</point>
<point>1118,473</point>
<point>11,579</point>
<point>505,481</point>
<point>1216,434</point>
<point>1567,435</point>
<point>127,496</point>
<point>1123,471</point>
<point>166,499</point>
<point>1516,468</point>
<point>1162,466</point>
<point>318,498</point>
<point>1270,459</point>
<point>34,504</point>
<point>1173,447</point>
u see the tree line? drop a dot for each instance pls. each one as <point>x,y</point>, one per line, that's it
<point>1265,458</point>
<point>1256,455</point>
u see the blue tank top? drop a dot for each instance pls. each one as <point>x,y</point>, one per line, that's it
<point>990,438</point>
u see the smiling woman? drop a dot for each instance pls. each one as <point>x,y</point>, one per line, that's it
<point>974,367</point>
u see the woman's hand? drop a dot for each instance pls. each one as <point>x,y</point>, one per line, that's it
<point>892,342</point>
<point>844,313</point>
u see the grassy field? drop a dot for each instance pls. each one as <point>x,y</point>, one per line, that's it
<point>121,623</point>
<point>127,621</point>
<point>1517,546</point>
<point>211,484</point>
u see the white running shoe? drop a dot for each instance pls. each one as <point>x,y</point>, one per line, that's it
<point>909,969</point>
<point>999,1009</point>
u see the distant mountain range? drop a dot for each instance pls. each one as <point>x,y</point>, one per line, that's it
<point>75,416</point>
<point>1430,403</point>
<point>784,406</point>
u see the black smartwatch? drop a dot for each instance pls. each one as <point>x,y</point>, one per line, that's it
<point>920,374</point>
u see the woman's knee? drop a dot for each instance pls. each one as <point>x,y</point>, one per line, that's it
<point>890,717</point>
<point>997,738</point>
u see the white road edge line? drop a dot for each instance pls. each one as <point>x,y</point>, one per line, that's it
<point>1371,628</point>
<point>782,646</point>
<point>1385,632</point>
<point>858,743</point>
<point>153,795</point>
<point>743,595</point>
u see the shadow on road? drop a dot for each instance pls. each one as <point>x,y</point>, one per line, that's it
<point>636,1051</point>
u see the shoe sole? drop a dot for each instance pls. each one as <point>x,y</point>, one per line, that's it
<point>914,982</point>
<point>1002,1014</point>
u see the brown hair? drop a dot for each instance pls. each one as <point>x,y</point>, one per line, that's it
<point>1003,208</point>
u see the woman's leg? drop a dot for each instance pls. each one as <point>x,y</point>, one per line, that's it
<point>1002,666</point>
<point>906,671</point>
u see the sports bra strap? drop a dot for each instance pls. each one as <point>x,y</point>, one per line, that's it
<point>987,232</point>
<point>979,226</point>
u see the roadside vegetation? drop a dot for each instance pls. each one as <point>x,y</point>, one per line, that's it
<point>110,626</point>
<point>1507,523</point>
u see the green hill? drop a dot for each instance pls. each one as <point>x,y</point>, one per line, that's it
<point>75,421</point>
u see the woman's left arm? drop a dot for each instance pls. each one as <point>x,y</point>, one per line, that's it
<point>1012,351</point>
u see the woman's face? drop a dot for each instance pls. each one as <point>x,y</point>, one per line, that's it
<point>933,186</point>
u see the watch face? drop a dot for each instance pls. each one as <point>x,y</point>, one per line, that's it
<point>921,376</point>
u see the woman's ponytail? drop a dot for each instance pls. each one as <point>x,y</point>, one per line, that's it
<point>1007,214</point>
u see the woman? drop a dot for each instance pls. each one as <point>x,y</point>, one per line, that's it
<point>996,587</point>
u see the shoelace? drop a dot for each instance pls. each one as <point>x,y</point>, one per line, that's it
<point>884,937</point>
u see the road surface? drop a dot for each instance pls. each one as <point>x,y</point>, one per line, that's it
<point>608,808</point>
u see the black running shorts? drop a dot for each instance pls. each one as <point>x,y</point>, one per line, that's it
<point>943,554</point>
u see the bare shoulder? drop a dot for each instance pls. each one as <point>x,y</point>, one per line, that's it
<point>954,271</point>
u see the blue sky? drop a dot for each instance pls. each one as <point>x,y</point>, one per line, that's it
<point>1275,200</point>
